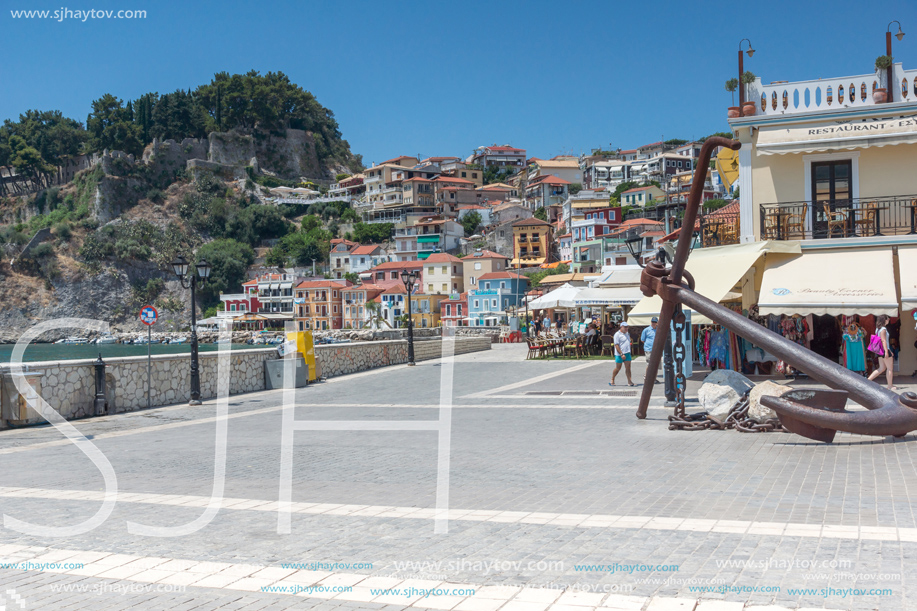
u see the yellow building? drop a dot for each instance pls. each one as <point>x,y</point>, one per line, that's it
<point>829,165</point>
<point>425,310</point>
<point>531,242</point>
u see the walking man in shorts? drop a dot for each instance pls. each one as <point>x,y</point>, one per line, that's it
<point>622,354</point>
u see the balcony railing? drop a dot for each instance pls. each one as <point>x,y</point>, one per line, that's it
<point>826,94</point>
<point>840,218</point>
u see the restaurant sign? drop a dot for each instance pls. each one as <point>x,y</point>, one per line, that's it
<point>833,135</point>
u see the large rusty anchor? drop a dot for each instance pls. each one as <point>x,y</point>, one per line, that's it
<point>816,414</point>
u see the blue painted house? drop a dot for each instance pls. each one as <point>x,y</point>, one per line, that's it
<point>496,292</point>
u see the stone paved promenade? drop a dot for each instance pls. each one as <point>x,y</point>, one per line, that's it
<point>559,499</point>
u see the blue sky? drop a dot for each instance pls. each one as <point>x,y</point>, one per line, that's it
<point>443,78</point>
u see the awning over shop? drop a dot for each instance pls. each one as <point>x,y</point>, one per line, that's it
<point>837,135</point>
<point>621,275</point>
<point>907,264</point>
<point>428,239</point>
<point>616,296</point>
<point>837,282</point>
<point>716,271</point>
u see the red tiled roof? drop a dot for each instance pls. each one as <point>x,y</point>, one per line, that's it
<point>504,148</point>
<point>501,276</point>
<point>365,249</point>
<point>472,207</point>
<point>452,179</point>
<point>322,284</point>
<point>484,254</point>
<point>635,189</point>
<point>435,159</point>
<point>396,159</point>
<point>651,144</point>
<point>549,179</point>
<point>442,257</point>
<point>529,222</point>
<point>399,265</point>
<point>729,210</point>
<point>419,179</point>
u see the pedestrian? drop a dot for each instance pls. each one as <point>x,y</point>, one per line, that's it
<point>879,344</point>
<point>648,338</point>
<point>537,325</point>
<point>547,323</point>
<point>622,354</point>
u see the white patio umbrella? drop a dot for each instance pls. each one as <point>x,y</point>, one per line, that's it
<point>561,297</point>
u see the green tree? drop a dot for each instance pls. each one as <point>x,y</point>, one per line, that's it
<point>310,222</point>
<point>471,222</point>
<point>229,260</point>
<point>541,214</point>
<point>373,233</point>
<point>110,127</point>
<point>54,138</point>
<point>177,115</point>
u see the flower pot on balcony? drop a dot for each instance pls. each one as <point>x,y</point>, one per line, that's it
<point>734,112</point>
<point>880,95</point>
<point>749,109</point>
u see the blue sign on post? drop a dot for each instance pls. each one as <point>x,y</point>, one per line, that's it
<point>148,315</point>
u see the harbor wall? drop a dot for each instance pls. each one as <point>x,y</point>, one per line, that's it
<point>68,386</point>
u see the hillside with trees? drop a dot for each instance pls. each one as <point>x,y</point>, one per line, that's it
<point>98,242</point>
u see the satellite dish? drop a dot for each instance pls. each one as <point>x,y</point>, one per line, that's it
<point>727,164</point>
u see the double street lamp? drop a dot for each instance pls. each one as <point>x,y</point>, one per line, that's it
<point>409,278</point>
<point>189,281</point>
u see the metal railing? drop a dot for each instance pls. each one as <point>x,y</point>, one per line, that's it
<point>839,218</point>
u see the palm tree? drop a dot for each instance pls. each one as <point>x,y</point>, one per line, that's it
<point>374,308</point>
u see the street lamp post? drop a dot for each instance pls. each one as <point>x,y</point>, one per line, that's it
<point>180,267</point>
<point>888,51</point>
<point>409,278</point>
<point>750,52</point>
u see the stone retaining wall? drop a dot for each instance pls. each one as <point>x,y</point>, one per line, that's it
<point>69,386</point>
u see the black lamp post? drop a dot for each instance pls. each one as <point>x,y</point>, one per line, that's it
<point>409,278</point>
<point>888,51</point>
<point>180,266</point>
<point>750,52</point>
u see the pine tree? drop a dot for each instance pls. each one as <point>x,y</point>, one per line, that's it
<point>219,108</point>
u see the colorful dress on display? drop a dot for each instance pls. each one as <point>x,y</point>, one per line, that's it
<point>856,354</point>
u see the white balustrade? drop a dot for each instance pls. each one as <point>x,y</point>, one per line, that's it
<point>830,94</point>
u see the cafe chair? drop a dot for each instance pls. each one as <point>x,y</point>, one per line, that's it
<point>771,226</point>
<point>866,216</point>
<point>795,224</point>
<point>837,220</point>
<point>608,345</point>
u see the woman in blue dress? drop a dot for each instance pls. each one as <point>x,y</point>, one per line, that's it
<point>856,350</point>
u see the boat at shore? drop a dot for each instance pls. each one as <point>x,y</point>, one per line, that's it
<point>79,341</point>
<point>106,339</point>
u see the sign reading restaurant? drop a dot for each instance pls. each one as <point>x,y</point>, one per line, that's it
<point>820,136</point>
<point>865,125</point>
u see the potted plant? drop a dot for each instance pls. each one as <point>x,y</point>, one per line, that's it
<point>883,63</point>
<point>749,107</point>
<point>731,86</point>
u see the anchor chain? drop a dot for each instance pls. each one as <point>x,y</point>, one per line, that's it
<point>737,419</point>
<point>679,354</point>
